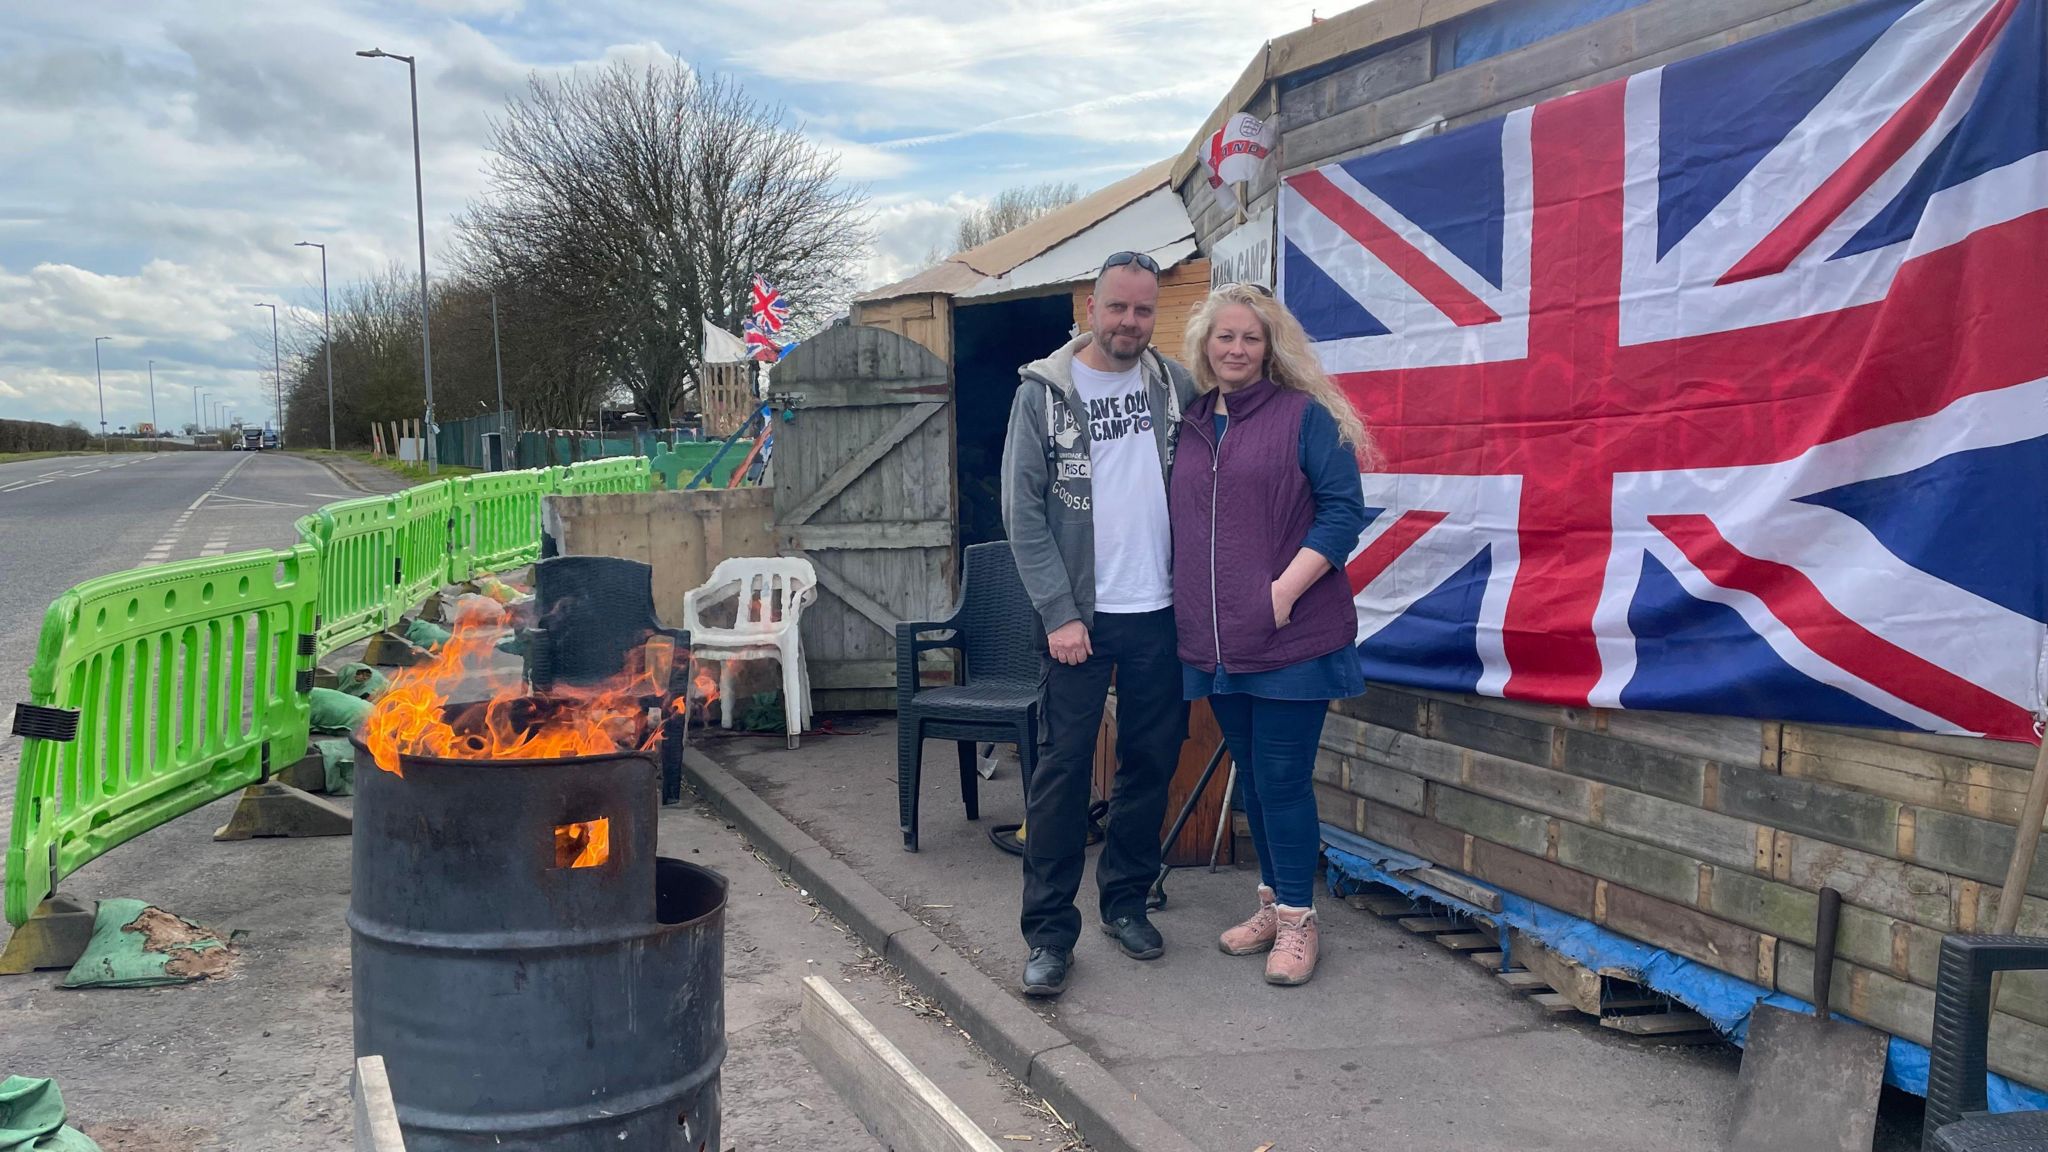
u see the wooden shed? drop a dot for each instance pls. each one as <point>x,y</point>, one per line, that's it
<point>989,310</point>
<point>1706,838</point>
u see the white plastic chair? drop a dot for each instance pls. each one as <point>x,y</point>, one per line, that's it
<point>772,592</point>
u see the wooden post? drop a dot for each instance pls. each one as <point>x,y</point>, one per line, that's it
<point>898,1103</point>
<point>376,1116</point>
<point>2026,840</point>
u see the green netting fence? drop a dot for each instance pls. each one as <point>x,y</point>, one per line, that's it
<point>160,690</point>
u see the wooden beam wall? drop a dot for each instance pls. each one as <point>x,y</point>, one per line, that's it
<point>1710,838</point>
<point>926,319</point>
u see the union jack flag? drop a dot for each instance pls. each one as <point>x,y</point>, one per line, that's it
<point>760,345</point>
<point>1722,388</point>
<point>771,310</point>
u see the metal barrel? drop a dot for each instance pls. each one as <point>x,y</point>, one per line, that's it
<point>533,978</point>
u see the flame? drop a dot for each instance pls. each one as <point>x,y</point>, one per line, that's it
<point>704,688</point>
<point>414,718</point>
<point>585,844</point>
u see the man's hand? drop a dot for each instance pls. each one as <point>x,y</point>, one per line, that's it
<point>1069,643</point>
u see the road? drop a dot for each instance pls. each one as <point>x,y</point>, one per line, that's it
<point>68,519</point>
<point>261,1060</point>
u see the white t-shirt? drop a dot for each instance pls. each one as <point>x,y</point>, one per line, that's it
<point>1133,545</point>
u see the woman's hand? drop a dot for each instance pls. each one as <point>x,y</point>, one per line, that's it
<point>1307,567</point>
<point>1283,606</point>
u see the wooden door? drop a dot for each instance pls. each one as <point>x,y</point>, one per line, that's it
<point>864,490</point>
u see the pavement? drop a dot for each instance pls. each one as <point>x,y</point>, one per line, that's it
<point>1396,1043</point>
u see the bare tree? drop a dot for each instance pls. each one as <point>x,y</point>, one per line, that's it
<point>1012,209</point>
<point>628,204</point>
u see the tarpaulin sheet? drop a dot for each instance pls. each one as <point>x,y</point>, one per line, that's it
<point>1724,1000</point>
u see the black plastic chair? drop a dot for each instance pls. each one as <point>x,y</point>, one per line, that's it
<point>1956,1088</point>
<point>591,611</point>
<point>1000,646</point>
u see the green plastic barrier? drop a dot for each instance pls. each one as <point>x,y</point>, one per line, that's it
<point>186,679</point>
<point>674,466</point>
<point>358,545</point>
<point>426,522</point>
<point>619,474</point>
<point>186,684</point>
<point>498,521</point>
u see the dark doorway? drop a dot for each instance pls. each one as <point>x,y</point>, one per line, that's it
<point>990,342</point>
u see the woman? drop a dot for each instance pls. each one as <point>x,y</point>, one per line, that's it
<point>1266,508</point>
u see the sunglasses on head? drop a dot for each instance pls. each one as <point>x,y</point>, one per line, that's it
<point>1119,259</point>
<point>1261,289</point>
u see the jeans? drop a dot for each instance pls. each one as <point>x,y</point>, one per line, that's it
<point>1151,725</point>
<point>1273,743</point>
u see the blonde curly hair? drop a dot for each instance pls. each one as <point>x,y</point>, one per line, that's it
<point>1290,362</point>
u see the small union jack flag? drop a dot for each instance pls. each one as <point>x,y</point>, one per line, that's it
<point>760,345</point>
<point>770,308</point>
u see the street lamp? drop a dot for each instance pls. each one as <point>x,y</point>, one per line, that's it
<point>154,431</point>
<point>327,336</point>
<point>276,372</point>
<point>103,390</point>
<point>420,205</point>
<point>499,362</point>
<point>198,425</point>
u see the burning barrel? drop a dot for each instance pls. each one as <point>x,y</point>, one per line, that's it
<point>532,973</point>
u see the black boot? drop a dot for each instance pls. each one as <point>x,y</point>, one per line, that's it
<point>1137,937</point>
<point>1045,973</point>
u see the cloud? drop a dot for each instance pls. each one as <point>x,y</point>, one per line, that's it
<point>160,166</point>
<point>859,162</point>
<point>1065,115</point>
<point>908,231</point>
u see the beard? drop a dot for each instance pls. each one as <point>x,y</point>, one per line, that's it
<point>1123,343</point>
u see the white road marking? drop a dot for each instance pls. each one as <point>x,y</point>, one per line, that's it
<point>19,487</point>
<point>161,551</point>
<point>253,500</point>
<point>332,495</point>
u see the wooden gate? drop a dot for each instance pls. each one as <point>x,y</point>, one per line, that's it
<point>864,489</point>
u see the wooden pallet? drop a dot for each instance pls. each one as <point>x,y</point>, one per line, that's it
<point>1552,982</point>
<point>1384,903</point>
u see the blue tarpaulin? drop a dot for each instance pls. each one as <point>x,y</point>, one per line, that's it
<point>1502,28</point>
<point>1725,1000</point>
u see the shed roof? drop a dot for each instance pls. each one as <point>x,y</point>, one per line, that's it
<point>1066,235</point>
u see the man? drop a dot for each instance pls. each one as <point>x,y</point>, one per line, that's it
<point>1091,439</point>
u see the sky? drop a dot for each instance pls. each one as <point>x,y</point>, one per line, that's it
<point>159,159</point>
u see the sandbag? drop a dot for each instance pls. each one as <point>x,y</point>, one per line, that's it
<point>32,1118</point>
<point>338,759</point>
<point>361,681</point>
<point>138,945</point>
<point>425,635</point>
<point>338,712</point>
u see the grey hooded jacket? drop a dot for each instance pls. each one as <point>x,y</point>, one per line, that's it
<point>1048,496</point>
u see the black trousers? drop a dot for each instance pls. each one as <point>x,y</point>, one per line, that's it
<point>1151,724</point>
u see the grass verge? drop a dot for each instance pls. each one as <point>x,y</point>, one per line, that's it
<point>415,472</point>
